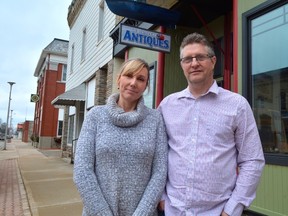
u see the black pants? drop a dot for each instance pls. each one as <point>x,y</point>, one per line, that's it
<point>161,213</point>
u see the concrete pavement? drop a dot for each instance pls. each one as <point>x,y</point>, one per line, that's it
<point>37,183</point>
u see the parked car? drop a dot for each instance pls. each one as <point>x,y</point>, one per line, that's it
<point>2,136</point>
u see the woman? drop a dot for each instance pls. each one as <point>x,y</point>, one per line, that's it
<point>121,157</point>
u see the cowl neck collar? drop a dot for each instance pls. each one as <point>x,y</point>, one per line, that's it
<point>125,119</point>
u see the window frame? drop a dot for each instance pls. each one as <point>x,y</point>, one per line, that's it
<point>72,58</point>
<point>64,73</point>
<point>151,88</point>
<point>280,159</point>
<point>84,42</point>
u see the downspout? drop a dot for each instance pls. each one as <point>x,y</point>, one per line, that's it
<point>160,73</point>
<point>36,111</point>
<point>235,44</point>
<point>44,86</point>
<point>48,64</point>
<point>38,104</point>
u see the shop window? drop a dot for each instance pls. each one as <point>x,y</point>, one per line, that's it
<point>149,94</point>
<point>91,86</point>
<point>60,122</point>
<point>267,79</point>
<point>60,126</point>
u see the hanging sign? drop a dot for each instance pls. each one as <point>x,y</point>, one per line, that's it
<point>144,38</point>
<point>34,98</point>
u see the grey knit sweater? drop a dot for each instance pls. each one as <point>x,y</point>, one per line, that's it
<point>121,160</point>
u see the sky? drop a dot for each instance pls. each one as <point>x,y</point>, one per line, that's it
<point>26,28</point>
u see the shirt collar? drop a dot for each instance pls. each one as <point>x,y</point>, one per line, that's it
<point>187,94</point>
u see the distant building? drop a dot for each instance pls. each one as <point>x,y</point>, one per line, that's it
<point>90,75</point>
<point>25,131</point>
<point>51,73</point>
<point>20,130</point>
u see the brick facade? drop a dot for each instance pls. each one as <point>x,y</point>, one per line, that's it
<point>50,72</point>
<point>48,114</point>
<point>110,79</point>
<point>101,86</point>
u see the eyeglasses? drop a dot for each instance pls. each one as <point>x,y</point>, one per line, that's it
<point>199,58</point>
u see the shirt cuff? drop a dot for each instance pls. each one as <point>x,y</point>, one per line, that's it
<point>233,208</point>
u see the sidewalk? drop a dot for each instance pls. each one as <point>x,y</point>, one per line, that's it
<point>36,183</point>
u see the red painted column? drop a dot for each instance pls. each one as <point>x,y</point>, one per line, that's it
<point>227,53</point>
<point>160,74</point>
<point>126,54</point>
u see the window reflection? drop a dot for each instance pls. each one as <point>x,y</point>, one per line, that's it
<point>270,78</point>
<point>270,109</point>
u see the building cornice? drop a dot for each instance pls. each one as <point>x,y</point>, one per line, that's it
<point>74,10</point>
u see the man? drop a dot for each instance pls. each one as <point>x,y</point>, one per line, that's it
<point>215,155</point>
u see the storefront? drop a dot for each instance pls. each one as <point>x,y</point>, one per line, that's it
<point>251,40</point>
<point>265,84</point>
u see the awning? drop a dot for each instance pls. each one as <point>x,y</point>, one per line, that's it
<point>70,97</point>
<point>144,12</point>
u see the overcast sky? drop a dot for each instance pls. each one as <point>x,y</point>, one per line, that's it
<point>27,27</point>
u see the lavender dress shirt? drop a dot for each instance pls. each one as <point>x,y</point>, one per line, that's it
<point>209,137</point>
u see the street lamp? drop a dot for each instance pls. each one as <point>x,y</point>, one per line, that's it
<point>5,141</point>
<point>10,128</point>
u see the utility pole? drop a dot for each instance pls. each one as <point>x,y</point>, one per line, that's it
<point>5,140</point>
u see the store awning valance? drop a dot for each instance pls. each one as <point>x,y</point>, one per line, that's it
<point>70,97</point>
